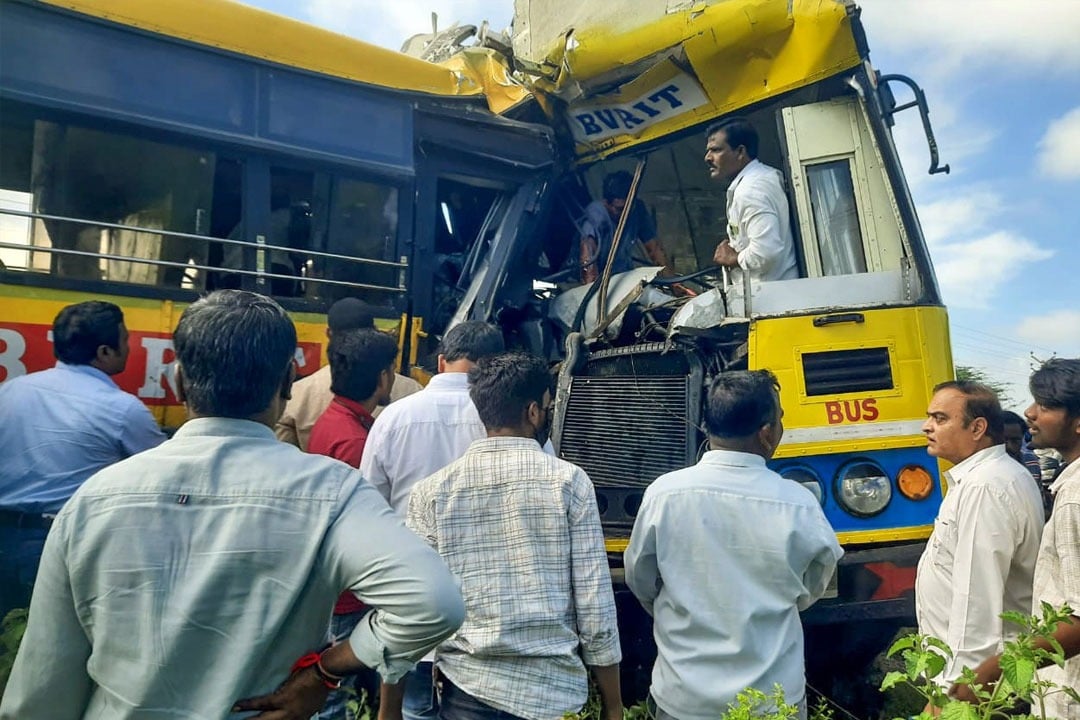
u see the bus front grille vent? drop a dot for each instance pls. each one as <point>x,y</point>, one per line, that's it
<point>626,431</point>
<point>847,371</point>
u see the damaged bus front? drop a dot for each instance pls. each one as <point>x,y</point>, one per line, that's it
<point>858,340</point>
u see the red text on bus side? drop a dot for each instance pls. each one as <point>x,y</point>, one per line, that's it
<point>839,411</point>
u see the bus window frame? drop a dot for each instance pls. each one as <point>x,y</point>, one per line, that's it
<point>255,205</point>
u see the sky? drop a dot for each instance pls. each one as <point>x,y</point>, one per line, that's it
<point>1002,79</point>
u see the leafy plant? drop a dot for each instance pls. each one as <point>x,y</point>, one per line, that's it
<point>357,706</point>
<point>925,659</point>
<point>11,633</point>
<point>752,704</point>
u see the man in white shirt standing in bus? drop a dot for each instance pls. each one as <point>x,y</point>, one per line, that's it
<point>759,239</point>
<point>980,560</point>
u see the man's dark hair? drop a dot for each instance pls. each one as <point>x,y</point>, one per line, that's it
<point>739,403</point>
<point>737,131</point>
<point>357,358</point>
<point>235,350</point>
<point>80,329</point>
<point>979,402</point>
<point>617,185</point>
<point>502,386</point>
<point>1056,384</point>
<point>471,341</point>
<point>349,314</point>
<point>1008,417</point>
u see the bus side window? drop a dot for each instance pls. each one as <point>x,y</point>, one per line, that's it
<point>89,176</point>
<point>363,224</point>
<point>836,218</point>
<point>845,206</point>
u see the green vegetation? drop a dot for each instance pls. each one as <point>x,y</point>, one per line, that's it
<point>11,632</point>
<point>1019,688</point>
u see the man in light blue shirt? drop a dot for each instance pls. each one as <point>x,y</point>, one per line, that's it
<point>57,428</point>
<point>724,555</point>
<point>187,577</point>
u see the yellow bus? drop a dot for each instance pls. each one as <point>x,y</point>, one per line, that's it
<point>150,152</point>
<point>858,340</point>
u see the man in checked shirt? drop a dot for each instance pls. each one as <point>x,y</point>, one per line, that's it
<point>521,530</point>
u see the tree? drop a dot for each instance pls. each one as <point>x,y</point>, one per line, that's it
<point>966,372</point>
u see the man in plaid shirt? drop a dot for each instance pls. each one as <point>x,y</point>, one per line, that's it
<point>521,531</point>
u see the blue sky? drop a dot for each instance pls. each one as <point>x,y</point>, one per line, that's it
<point>1002,78</point>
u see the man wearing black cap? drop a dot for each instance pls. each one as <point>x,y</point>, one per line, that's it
<point>311,395</point>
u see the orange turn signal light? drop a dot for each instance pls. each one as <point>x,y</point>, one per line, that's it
<point>915,482</point>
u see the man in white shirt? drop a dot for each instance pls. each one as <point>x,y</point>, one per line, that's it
<point>1054,421</point>
<point>724,555</point>
<point>759,239</point>
<point>419,435</point>
<point>980,559</point>
<point>521,530</point>
<point>311,395</point>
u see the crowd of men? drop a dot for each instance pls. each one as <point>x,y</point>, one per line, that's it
<point>440,555</point>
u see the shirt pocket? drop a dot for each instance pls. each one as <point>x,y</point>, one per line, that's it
<point>943,543</point>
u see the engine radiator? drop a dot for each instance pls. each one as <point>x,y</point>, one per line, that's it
<point>628,416</point>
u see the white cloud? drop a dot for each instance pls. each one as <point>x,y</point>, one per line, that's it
<point>1058,330</point>
<point>390,22</point>
<point>959,216</point>
<point>958,34</point>
<point>971,272</point>
<point>1059,149</point>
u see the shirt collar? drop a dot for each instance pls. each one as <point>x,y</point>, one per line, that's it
<point>356,409</point>
<point>1069,473</point>
<point>733,458</point>
<point>224,427</point>
<point>965,467</point>
<point>495,444</point>
<point>747,170</point>
<point>450,381</point>
<point>88,370</point>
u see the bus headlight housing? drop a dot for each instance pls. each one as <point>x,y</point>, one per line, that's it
<point>863,488</point>
<point>807,478</point>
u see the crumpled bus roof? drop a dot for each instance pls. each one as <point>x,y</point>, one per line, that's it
<point>245,30</point>
<point>723,54</point>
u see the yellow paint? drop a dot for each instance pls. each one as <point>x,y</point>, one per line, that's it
<point>860,537</point>
<point>616,545</point>
<point>918,342</point>
<point>741,51</point>
<point>249,31</point>
<point>866,537</point>
<point>39,306</point>
<point>493,73</point>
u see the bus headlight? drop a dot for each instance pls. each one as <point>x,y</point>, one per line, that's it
<point>807,479</point>
<point>863,489</point>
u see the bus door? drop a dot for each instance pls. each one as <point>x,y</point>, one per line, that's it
<point>480,198</point>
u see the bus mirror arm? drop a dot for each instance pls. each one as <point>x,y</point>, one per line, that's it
<point>889,109</point>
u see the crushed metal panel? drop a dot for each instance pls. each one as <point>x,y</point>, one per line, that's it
<point>739,52</point>
<point>539,24</point>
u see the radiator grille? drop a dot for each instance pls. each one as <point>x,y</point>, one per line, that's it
<point>626,431</point>
<point>847,371</point>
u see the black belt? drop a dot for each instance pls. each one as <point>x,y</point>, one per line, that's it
<point>26,521</point>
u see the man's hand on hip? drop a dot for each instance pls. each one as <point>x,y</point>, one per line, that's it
<point>298,698</point>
